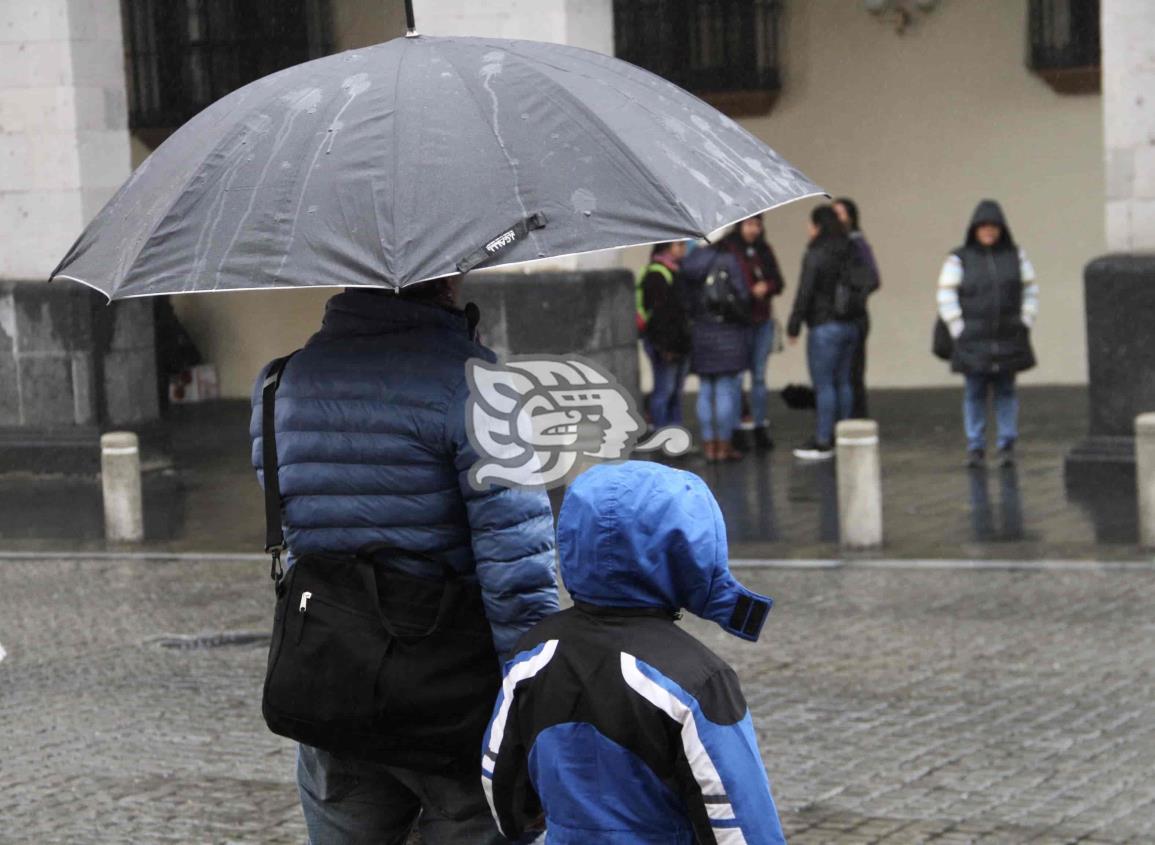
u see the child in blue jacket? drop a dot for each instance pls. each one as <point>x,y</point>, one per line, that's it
<point>613,722</point>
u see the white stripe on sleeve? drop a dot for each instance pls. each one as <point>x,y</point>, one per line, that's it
<point>519,672</point>
<point>705,773</point>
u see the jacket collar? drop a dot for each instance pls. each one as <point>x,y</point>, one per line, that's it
<point>363,312</point>
<point>656,612</point>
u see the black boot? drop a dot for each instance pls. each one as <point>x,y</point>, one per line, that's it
<point>762,439</point>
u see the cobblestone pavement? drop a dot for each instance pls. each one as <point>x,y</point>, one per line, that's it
<point>894,706</point>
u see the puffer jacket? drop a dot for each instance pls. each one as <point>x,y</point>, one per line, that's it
<point>985,287</point>
<point>717,347</point>
<point>613,721</point>
<point>372,447</point>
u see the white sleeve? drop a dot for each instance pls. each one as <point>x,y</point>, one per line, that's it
<point>1030,290</point>
<point>949,309</point>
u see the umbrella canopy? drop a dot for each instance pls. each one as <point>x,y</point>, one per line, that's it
<point>423,157</point>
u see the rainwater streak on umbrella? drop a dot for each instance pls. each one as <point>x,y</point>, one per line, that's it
<point>416,158</point>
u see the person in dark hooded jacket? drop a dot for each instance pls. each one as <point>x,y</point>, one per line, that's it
<point>989,298</point>
<point>614,726</point>
<point>372,448</point>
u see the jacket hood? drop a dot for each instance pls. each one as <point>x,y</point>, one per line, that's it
<point>989,211</point>
<point>641,534</point>
<point>361,312</point>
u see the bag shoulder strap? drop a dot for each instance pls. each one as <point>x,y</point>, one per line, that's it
<point>274,532</point>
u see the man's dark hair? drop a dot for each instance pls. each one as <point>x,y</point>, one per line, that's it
<point>430,291</point>
<point>435,291</point>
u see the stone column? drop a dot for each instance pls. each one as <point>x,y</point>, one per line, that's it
<point>1129,123</point>
<point>1120,287</point>
<point>68,363</point>
<point>579,23</point>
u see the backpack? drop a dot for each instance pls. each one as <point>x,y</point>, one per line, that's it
<point>854,284</point>
<point>719,301</point>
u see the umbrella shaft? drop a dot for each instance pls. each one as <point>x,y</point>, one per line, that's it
<point>410,24</point>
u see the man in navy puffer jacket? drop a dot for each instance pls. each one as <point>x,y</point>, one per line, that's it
<point>372,447</point>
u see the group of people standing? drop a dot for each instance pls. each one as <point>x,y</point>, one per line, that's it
<point>710,312</point>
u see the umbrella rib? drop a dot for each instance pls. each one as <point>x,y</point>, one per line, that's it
<point>489,117</point>
<point>398,243</point>
<point>160,218</point>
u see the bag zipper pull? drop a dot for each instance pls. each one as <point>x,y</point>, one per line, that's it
<point>305,596</point>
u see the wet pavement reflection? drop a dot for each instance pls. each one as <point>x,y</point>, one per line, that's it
<point>1009,524</point>
<point>775,506</point>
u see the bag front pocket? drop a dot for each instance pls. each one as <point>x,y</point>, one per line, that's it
<point>327,665</point>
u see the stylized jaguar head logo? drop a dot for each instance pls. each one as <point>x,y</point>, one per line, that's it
<point>533,419</point>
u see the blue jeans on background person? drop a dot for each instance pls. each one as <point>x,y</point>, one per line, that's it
<point>348,802</point>
<point>665,404</point>
<point>978,385</point>
<point>830,355</point>
<point>719,405</point>
<point>761,342</point>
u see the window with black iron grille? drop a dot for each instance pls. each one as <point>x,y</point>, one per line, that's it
<point>184,54</point>
<point>1064,43</point>
<point>714,48</point>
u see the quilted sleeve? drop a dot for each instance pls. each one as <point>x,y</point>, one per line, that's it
<point>512,534</point>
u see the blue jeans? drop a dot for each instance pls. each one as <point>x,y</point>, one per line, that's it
<point>830,354</point>
<point>719,405</point>
<point>666,397</point>
<point>761,342</point>
<point>978,385</point>
<point>347,802</point>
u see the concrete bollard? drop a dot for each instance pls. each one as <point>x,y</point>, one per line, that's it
<point>859,484</point>
<point>120,483</point>
<point>1145,477</point>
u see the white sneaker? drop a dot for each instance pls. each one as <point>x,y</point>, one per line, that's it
<point>814,451</point>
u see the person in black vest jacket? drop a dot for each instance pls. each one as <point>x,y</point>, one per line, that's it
<point>988,298</point>
<point>831,341</point>
<point>372,448</point>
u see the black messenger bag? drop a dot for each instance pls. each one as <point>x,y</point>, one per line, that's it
<point>368,660</point>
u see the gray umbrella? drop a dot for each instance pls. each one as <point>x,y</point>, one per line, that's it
<point>419,158</point>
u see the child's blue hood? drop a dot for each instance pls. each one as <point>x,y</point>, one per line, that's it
<point>641,534</point>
